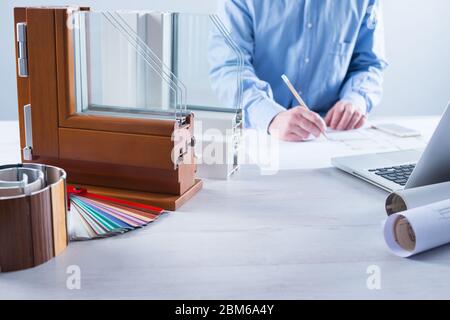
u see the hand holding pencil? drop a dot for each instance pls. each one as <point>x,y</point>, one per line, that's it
<point>297,124</point>
<point>299,98</point>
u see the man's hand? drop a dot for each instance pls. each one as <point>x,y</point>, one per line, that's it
<point>345,116</point>
<point>297,124</point>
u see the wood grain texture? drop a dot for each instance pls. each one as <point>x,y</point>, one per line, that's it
<point>127,161</point>
<point>147,126</point>
<point>172,182</point>
<point>187,176</point>
<point>43,82</point>
<point>33,227</point>
<point>165,201</point>
<point>65,66</point>
<point>23,91</point>
<point>16,243</point>
<point>59,215</point>
<point>117,148</point>
<point>41,226</point>
<point>188,195</point>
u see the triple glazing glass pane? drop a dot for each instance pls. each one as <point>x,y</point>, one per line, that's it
<point>154,64</point>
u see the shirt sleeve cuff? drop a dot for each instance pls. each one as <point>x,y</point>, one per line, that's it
<point>261,114</point>
<point>357,100</point>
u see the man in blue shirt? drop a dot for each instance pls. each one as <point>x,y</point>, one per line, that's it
<point>332,51</point>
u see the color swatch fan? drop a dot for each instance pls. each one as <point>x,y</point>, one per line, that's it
<point>92,216</point>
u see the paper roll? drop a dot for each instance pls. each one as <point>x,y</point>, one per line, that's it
<point>417,230</point>
<point>33,209</point>
<point>414,198</point>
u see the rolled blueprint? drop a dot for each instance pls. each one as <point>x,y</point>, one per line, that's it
<point>419,219</point>
<point>417,230</point>
<point>413,198</point>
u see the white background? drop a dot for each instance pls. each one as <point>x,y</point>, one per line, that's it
<point>418,45</point>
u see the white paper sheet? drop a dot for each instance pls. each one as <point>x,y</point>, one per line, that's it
<point>418,230</point>
<point>268,152</point>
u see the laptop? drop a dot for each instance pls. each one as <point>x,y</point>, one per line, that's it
<point>407,169</point>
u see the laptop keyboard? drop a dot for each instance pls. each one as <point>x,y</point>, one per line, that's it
<point>399,174</point>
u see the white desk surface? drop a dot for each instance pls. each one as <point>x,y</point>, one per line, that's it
<point>300,234</point>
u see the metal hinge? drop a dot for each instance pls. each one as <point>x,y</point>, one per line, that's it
<point>22,49</point>
<point>28,150</point>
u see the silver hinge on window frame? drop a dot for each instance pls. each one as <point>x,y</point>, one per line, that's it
<point>22,49</point>
<point>28,150</point>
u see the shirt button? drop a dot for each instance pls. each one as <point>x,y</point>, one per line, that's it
<point>307,60</point>
<point>310,25</point>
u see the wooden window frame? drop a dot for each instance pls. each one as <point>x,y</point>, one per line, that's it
<point>134,154</point>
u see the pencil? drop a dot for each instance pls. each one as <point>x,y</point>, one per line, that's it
<point>297,96</point>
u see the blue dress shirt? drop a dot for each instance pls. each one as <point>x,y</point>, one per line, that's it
<point>330,49</point>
